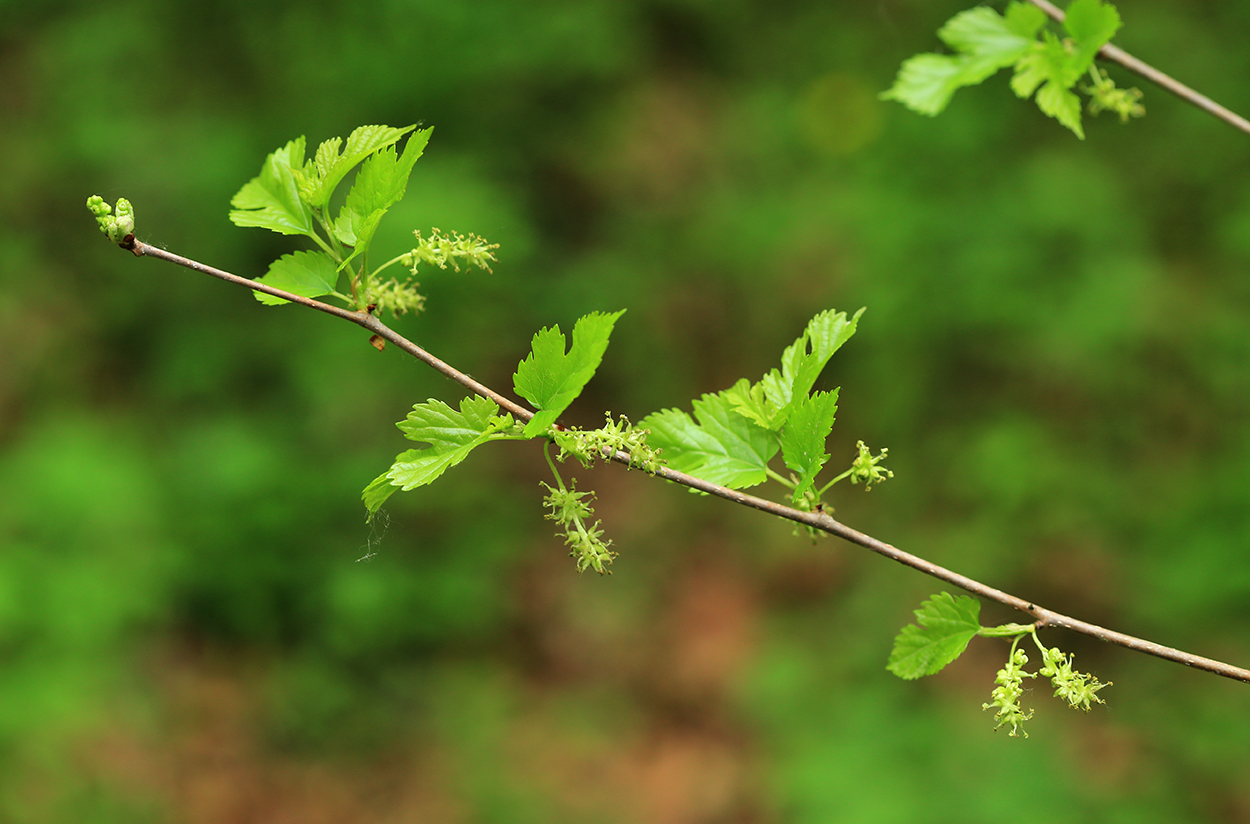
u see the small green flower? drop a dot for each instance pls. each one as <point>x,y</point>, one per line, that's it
<point>585,540</point>
<point>439,250</point>
<point>1077,688</point>
<point>1105,97</point>
<point>114,226</point>
<point>865,467</point>
<point>395,297</point>
<point>1006,696</point>
<point>614,436</point>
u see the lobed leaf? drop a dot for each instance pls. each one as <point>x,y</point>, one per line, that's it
<point>768,403</point>
<point>1092,24</point>
<point>308,274</point>
<point>450,434</point>
<point>550,379</point>
<point>329,167</point>
<point>803,439</point>
<point>947,624</point>
<point>722,447</point>
<point>271,200</point>
<point>379,184</point>
<point>985,41</point>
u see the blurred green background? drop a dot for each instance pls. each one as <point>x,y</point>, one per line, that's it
<point>1056,352</point>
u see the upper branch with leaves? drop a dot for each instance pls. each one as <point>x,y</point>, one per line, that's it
<point>1044,62</point>
<point>732,441</point>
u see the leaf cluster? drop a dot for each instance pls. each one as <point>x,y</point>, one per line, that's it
<point>734,434</point>
<point>292,195</point>
<point>985,41</point>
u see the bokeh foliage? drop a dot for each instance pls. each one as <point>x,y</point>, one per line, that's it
<point>1056,351</point>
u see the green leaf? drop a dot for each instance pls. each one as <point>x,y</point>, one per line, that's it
<point>272,200</point>
<point>768,403</point>
<point>1061,104</point>
<point>450,434</point>
<point>985,41</point>
<point>990,41</point>
<point>329,167</point>
<point>947,624</point>
<point>378,490</point>
<point>1050,63</point>
<point>1024,19</point>
<point>307,274</point>
<point>379,184</point>
<point>803,439</point>
<point>1092,24</point>
<point>550,379</point>
<point>723,447</point>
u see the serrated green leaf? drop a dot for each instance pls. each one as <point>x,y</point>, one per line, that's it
<point>1092,24</point>
<point>988,40</point>
<point>722,447</point>
<point>1050,65</point>
<point>768,402</point>
<point>1037,67</point>
<point>379,184</point>
<point>1024,19</point>
<point>450,434</point>
<point>751,402</point>
<point>330,167</point>
<point>808,355</point>
<point>550,379</point>
<point>985,41</point>
<point>926,83</point>
<point>378,490</point>
<point>803,439</point>
<point>947,624</point>
<point>272,200</point>
<point>1063,105</point>
<point>307,274</point>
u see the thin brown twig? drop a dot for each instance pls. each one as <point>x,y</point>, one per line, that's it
<point>1128,61</point>
<point>816,520</point>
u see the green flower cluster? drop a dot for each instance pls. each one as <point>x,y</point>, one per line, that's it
<point>1105,97</point>
<point>1077,688</point>
<point>614,436</point>
<point>572,511</point>
<point>439,250</point>
<point>1006,696</point>
<point>865,467</point>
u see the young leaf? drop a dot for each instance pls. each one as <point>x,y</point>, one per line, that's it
<point>824,335</point>
<point>947,624</point>
<point>723,447</point>
<point>1092,24</point>
<point>329,167</point>
<point>379,184</point>
<point>803,439</point>
<point>308,274</point>
<point>768,402</point>
<point>750,401</point>
<point>1050,63</point>
<point>272,200</point>
<point>378,490</point>
<point>451,436</point>
<point>550,379</point>
<point>985,42</point>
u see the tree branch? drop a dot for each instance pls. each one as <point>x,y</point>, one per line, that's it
<point>1118,55</point>
<point>817,520</point>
